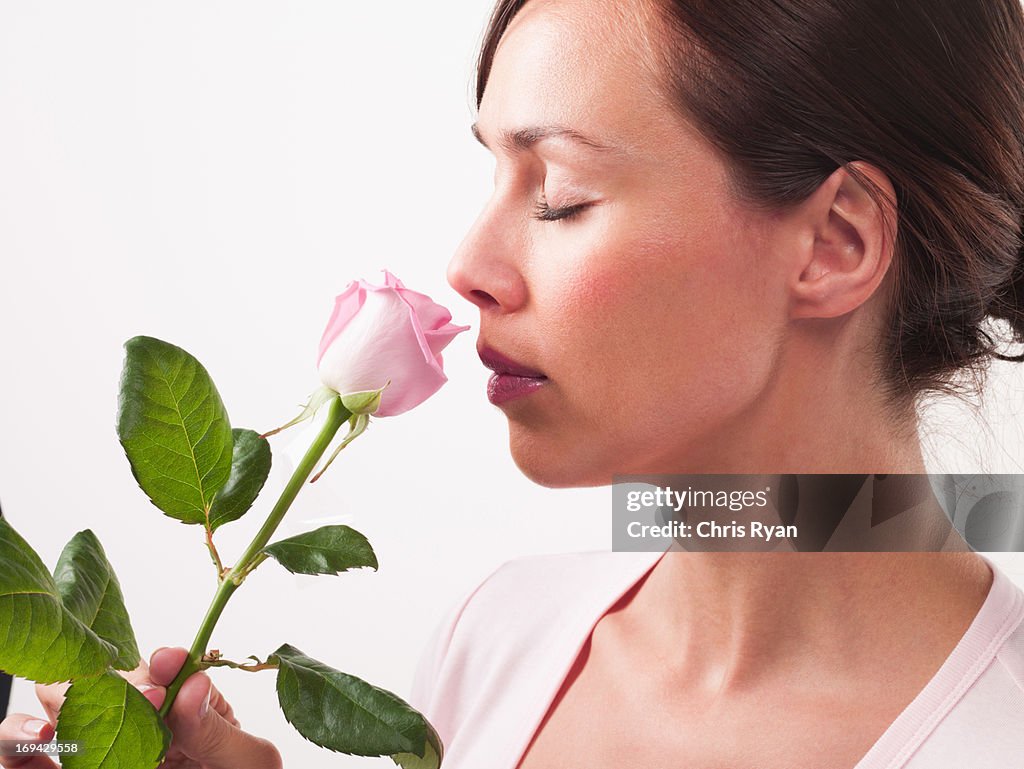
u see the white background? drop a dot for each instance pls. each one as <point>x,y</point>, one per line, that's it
<point>213,174</point>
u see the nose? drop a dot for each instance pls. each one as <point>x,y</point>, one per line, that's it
<point>485,267</point>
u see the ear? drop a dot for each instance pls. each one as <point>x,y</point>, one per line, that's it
<point>848,244</point>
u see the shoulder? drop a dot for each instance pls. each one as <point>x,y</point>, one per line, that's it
<point>527,614</point>
<point>533,596</point>
<point>1007,639</point>
<point>523,595</point>
<point>1011,659</point>
<point>978,706</point>
<point>1008,667</point>
<point>545,582</point>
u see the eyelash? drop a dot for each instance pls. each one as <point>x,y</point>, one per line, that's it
<point>544,213</point>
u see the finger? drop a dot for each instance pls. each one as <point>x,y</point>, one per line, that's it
<point>221,706</point>
<point>206,736</point>
<point>142,680</point>
<point>51,697</point>
<point>139,675</point>
<point>22,727</point>
<point>165,663</point>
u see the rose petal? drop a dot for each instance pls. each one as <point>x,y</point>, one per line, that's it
<point>428,353</point>
<point>390,281</point>
<point>440,338</point>
<point>430,314</point>
<point>346,306</point>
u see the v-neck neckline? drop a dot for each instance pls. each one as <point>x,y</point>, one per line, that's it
<point>999,615</point>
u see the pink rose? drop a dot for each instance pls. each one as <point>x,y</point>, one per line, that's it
<point>381,333</point>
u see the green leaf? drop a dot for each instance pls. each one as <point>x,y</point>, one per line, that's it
<point>343,713</point>
<point>430,760</point>
<point>173,427</point>
<point>40,639</point>
<point>116,727</point>
<point>89,589</point>
<point>327,550</point>
<point>250,466</point>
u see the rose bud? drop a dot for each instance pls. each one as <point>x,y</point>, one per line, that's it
<point>381,350</point>
<point>381,333</point>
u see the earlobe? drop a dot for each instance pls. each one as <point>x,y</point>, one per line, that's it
<point>848,247</point>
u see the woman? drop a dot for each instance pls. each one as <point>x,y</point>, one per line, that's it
<point>737,237</point>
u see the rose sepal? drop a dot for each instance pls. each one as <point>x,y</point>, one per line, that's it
<point>364,402</point>
<point>318,398</point>
<point>357,424</point>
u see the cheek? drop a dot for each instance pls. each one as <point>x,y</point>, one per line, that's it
<point>674,318</point>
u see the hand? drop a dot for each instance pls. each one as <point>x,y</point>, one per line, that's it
<point>213,740</point>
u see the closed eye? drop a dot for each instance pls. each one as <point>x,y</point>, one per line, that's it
<point>545,213</point>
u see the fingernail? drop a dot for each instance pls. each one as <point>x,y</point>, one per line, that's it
<point>34,727</point>
<point>205,706</point>
<point>144,687</point>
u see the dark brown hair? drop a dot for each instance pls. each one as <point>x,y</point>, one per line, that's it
<point>931,92</point>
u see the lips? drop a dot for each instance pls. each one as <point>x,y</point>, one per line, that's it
<point>501,364</point>
<point>511,379</point>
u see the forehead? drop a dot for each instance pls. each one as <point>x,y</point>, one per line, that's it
<point>588,64</point>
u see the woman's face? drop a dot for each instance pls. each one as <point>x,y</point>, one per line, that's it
<point>646,293</point>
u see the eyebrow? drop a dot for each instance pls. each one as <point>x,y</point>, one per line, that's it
<point>523,139</point>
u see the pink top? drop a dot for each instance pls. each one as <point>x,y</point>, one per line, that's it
<point>496,662</point>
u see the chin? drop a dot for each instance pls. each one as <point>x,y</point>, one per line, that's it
<point>554,467</point>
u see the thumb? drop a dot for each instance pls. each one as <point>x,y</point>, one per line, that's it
<point>205,736</point>
<point>19,728</point>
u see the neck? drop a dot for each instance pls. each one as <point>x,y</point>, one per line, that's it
<point>819,413</point>
<point>736,621</point>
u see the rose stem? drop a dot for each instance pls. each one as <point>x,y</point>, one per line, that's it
<point>337,415</point>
